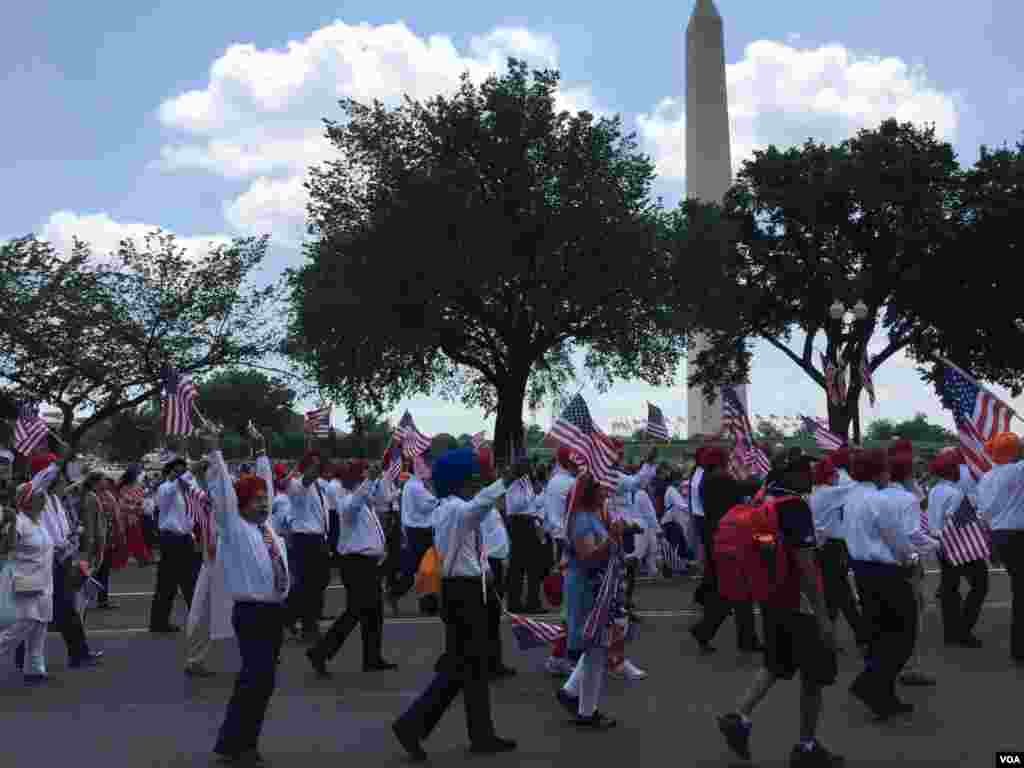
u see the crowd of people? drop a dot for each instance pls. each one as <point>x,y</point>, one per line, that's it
<point>252,555</point>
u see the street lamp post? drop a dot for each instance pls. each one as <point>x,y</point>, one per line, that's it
<point>837,311</point>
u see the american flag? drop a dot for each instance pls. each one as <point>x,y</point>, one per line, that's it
<point>841,384</point>
<point>827,441</point>
<point>414,443</point>
<point>29,429</point>
<point>576,430</point>
<point>477,440</point>
<point>736,421</point>
<point>828,370</point>
<point>656,427</point>
<point>421,469</point>
<point>200,514</point>
<point>865,377</point>
<point>318,421</point>
<point>531,633</point>
<point>179,396</point>
<point>979,416</point>
<point>393,463</point>
<point>964,539</point>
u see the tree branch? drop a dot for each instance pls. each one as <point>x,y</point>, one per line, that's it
<point>808,369</point>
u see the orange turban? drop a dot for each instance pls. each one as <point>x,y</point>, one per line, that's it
<point>1005,448</point>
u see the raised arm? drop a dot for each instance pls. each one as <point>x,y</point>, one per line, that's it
<point>219,486</point>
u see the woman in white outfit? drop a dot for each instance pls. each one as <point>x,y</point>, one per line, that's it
<point>28,580</point>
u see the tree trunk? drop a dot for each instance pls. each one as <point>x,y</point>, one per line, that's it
<point>840,416</point>
<point>509,432</point>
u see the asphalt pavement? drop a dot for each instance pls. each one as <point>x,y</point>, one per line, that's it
<point>138,709</point>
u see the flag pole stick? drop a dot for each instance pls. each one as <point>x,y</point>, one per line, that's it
<point>56,437</point>
<point>975,382</point>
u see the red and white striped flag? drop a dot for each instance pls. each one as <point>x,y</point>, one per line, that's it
<point>576,430</point>
<point>414,443</point>
<point>964,539</point>
<point>656,427</point>
<point>826,440</point>
<point>179,397</point>
<point>735,420</point>
<point>530,633</point>
<point>318,421</point>
<point>979,416</point>
<point>393,463</point>
<point>865,377</point>
<point>29,430</point>
<point>199,510</point>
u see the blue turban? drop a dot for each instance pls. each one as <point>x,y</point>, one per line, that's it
<point>452,469</point>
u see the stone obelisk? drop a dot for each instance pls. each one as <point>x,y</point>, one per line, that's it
<point>708,161</point>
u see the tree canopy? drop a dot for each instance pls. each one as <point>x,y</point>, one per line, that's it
<point>466,246</point>
<point>917,429</point>
<point>90,335</point>
<point>866,220</point>
<point>235,397</point>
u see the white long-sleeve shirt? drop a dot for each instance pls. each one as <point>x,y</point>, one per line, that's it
<point>170,501</point>
<point>874,529</point>
<point>968,485</point>
<point>248,570</point>
<point>418,504</point>
<point>944,500</point>
<point>361,531</point>
<point>623,499</point>
<point>643,511</point>
<point>309,506</point>
<point>556,496</point>
<point>457,533</point>
<point>520,500</point>
<point>827,504</point>
<point>1001,497</point>
<point>496,541</point>
<point>696,505</point>
<point>676,509</point>
<point>907,505</point>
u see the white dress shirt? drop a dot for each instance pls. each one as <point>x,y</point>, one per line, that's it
<point>496,541</point>
<point>309,511</point>
<point>877,526</point>
<point>170,501</point>
<point>828,505</point>
<point>520,500</point>
<point>676,509</point>
<point>643,512</point>
<point>361,532</point>
<point>418,504</point>
<point>281,514</point>
<point>556,497</point>
<point>623,499</point>
<point>968,485</point>
<point>696,505</point>
<point>843,477</point>
<point>1001,497</point>
<point>457,533</point>
<point>248,570</point>
<point>334,494</point>
<point>58,528</point>
<point>944,500</point>
<point>907,506</point>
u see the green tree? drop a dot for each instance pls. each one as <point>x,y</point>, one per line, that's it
<point>917,429</point>
<point>861,221</point>
<point>465,246</point>
<point>768,431</point>
<point>235,397</point>
<point>90,336</point>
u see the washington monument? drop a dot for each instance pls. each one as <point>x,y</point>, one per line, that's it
<point>708,161</point>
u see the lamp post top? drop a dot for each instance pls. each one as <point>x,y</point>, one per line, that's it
<point>705,9</point>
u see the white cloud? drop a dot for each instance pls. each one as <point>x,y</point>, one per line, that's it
<point>781,94</point>
<point>105,234</point>
<point>259,117</point>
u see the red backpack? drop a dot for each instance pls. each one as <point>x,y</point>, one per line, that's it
<point>750,561</point>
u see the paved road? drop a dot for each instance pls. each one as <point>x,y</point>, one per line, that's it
<point>139,710</point>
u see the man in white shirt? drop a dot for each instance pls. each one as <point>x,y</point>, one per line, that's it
<point>257,579</point>
<point>556,496</point>
<point>309,546</point>
<point>465,570</point>
<point>362,547</point>
<point>179,565</point>
<point>523,525</point>
<point>418,506</point>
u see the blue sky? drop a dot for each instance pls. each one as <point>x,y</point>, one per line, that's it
<point>201,117</point>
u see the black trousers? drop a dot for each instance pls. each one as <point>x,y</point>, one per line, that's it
<point>835,566</point>
<point>717,610</point>
<point>890,615</point>
<point>1010,548</point>
<point>364,605</point>
<point>496,658</point>
<point>392,568</point>
<point>259,628</point>
<point>312,570</point>
<point>103,577</point>
<point>526,563</point>
<point>178,569</point>
<point>420,540</point>
<point>464,666</point>
<point>959,616</point>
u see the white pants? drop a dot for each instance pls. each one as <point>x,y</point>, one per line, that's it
<point>587,680</point>
<point>33,634</point>
<point>646,550</point>
<point>209,618</point>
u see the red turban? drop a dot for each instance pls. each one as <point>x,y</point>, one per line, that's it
<point>247,488</point>
<point>899,447</point>
<point>564,457</point>
<point>870,465</point>
<point>41,461</point>
<point>309,458</point>
<point>280,471</point>
<point>840,458</point>
<point>946,464</point>
<point>715,457</point>
<point>901,466</point>
<point>824,471</point>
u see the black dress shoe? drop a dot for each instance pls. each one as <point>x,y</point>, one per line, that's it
<point>379,666</point>
<point>107,606</point>
<point>410,744</point>
<point>570,704</point>
<point>492,746</point>
<point>970,642</point>
<point>596,722</point>
<point>168,629</point>
<point>499,673</point>
<point>705,648</point>
<point>319,664</point>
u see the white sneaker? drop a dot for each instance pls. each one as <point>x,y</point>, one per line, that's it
<point>558,667</point>
<point>628,671</point>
